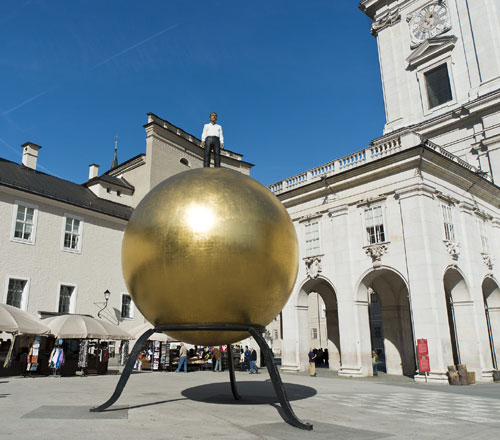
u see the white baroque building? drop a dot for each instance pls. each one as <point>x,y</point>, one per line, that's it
<point>400,240</point>
<point>60,242</point>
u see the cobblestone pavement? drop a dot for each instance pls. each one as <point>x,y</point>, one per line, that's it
<point>200,405</point>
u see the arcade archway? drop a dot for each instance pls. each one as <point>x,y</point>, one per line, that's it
<point>491,295</point>
<point>460,312</point>
<point>317,309</point>
<point>390,321</point>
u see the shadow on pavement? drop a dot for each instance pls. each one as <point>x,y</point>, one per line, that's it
<point>252,393</point>
<point>142,405</point>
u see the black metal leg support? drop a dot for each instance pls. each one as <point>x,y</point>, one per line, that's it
<point>289,415</point>
<point>231,373</point>
<point>129,366</point>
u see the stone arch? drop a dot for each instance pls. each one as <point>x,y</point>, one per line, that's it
<point>385,291</point>
<point>367,277</point>
<point>325,289</point>
<point>491,297</point>
<point>460,311</point>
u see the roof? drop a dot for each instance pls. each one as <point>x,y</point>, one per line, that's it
<point>18,176</point>
<point>117,181</point>
<point>124,165</point>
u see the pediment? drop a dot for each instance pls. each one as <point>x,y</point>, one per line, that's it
<point>429,49</point>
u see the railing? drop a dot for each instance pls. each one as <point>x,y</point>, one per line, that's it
<point>450,156</point>
<point>378,149</point>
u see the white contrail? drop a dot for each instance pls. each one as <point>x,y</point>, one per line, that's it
<point>134,46</point>
<point>22,104</point>
<point>128,49</point>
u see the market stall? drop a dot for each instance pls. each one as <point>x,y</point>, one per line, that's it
<point>157,354</point>
<point>84,341</point>
<point>25,350</point>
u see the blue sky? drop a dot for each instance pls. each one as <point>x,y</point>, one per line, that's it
<point>296,84</point>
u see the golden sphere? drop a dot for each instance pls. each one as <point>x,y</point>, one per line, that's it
<point>210,246</point>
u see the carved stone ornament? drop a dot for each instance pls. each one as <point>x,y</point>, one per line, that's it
<point>313,267</point>
<point>488,260</point>
<point>387,19</point>
<point>453,249</point>
<point>376,251</point>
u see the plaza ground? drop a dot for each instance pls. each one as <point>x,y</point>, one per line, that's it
<point>200,405</point>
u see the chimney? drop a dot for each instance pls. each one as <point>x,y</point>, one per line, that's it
<point>30,154</point>
<point>93,170</point>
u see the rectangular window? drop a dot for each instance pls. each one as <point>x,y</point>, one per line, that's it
<point>127,307</point>
<point>24,222</point>
<point>437,82</point>
<point>484,238</point>
<point>374,224</point>
<point>312,238</point>
<point>276,335</point>
<point>449,229</point>
<point>15,291</point>
<point>72,233</point>
<point>65,296</point>
<point>314,333</point>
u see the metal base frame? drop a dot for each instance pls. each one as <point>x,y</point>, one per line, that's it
<point>288,415</point>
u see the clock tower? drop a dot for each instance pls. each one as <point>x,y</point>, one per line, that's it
<point>440,70</point>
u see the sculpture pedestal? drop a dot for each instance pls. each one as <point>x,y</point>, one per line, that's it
<point>288,414</point>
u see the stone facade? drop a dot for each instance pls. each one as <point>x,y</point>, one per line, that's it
<point>463,38</point>
<point>400,239</point>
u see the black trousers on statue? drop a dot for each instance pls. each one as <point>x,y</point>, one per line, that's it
<point>212,143</point>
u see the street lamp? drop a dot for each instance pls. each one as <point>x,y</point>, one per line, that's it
<point>107,294</point>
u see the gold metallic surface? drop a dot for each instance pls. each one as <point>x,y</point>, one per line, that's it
<point>210,246</point>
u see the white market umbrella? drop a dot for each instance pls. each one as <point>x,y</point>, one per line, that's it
<point>14,320</point>
<point>138,331</point>
<point>84,327</point>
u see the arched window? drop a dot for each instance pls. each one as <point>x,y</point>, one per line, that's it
<point>184,161</point>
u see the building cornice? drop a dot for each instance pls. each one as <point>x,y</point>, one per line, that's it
<point>429,161</point>
<point>429,49</point>
<point>370,7</point>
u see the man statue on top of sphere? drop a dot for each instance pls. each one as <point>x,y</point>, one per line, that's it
<point>212,140</point>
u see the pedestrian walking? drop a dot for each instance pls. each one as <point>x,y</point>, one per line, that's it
<point>375,362</point>
<point>216,358</point>
<point>253,362</point>
<point>247,357</point>
<point>182,359</point>
<point>312,362</point>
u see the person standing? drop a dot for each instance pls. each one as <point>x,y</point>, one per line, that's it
<point>182,359</point>
<point>375,362</point>
<point>216,357</point>
<point>212,139</point>
<point>242,361</point>
<point>247,357</point>
<point>312,362</point>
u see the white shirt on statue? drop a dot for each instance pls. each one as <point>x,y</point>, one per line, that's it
<point>212,130</point>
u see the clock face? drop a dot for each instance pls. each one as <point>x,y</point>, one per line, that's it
<point>429,22</point>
